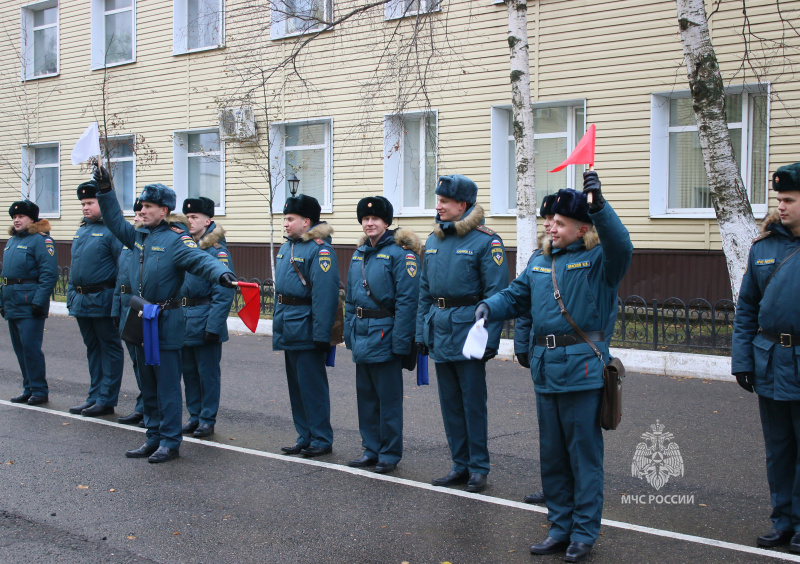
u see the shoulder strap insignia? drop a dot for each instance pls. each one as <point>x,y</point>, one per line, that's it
<point>217,246</point>
<point>319,241</point>
<point>484,229</point>
<point>762,236</point>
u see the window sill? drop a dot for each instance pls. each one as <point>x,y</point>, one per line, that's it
<point>198,50</point>
<point>40,77</point>
<point>298,33</point>
<point>112,65</point>
<point>414,14</point>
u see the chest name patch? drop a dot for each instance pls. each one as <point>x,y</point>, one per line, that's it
<point>431,251</point>
<point>23,247</point>
<point>464,252</point>
<point>577,265</point>
<point>97,234</point>
<point>358,257</point>
<point>296,259</point>
<point>279,256</point>
<point>387,257</point>
<point>139,246</point>
<point>541,269</point>
<point>158,249</point>
<point>763,262</point>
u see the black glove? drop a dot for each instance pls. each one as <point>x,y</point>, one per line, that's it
<point>409,361</point>
<point>211,338</point>
<point>524,360</point>
<point>102,179</point>
<point>489,355</point>
<point>482,312</point>
<point>322,346</point>
<point>422,349</point>
<point>115,322</point>
<point>227,280</point>
<point>37,310</point>
<point>746,380</point>
<point>591,185</point>
<point>3,312</point>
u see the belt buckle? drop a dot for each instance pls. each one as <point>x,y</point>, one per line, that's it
<point>79,289</point>
<point>550,341</point>
<point>440,303</point>
<point>280,298</point>
<point>360,312</point>
<point>183,302</point>
<point>5,281</point>
<point>788,342</point>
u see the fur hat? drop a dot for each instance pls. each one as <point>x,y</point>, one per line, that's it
<point>137,205</point>
<point>87,190</point>
<point>457,187</point>
<point>199,205</point>
<point>159,195</point>
<point>24,207</point>
<point>571,203</point>
<point>306,206</point>
<point>786,178</point>
<point>377,206</point>
<point>547,205</point>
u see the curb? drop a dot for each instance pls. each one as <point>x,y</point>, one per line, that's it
<point>659,363</point>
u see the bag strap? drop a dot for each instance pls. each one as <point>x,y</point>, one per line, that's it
<point>369,292</point>
<point>296,269</point>
<point>774,272</point>
<point>568,317</point>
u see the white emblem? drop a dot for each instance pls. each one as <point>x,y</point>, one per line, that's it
<point>657,458</point>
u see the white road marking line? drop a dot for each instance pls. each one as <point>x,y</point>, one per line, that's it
<point>423,486</point>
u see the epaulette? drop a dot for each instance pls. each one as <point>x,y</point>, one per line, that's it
<point>319,241</point>
<point>484,229</point>
<point>43,234</point>
<point>217,246</point>
<point>762,236</point>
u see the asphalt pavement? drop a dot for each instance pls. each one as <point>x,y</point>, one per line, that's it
<point>67,493</point>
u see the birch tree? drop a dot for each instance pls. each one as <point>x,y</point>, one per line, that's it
<point>728,193</point>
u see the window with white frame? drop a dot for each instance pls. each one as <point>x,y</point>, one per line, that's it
<point>113,32</point>
<point>295,17</point>
<point>122,153</point>
<point>40,177</point>
<point>39,30</point>
<point>401,8</point>
<point>197,25</point>
<point>303,149</point>
<point>410,166</point>
<point>678,181</point>
<point>558,127</point>
<point>199,166</point>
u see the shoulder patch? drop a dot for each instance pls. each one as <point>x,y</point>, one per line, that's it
<point>188,241</point>
<point>484,229</point>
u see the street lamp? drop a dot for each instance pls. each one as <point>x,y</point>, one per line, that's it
<point>294,183</point>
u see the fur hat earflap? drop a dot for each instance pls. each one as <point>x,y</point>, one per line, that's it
<point>571,203</point>
<point>305,206</point>
<point>24,207</point>
<point>377,206</point>
<point>199,205</point>
<point>458,188</point>
<point>160,195</point>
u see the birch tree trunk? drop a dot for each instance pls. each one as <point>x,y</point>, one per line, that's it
<point>734,215</point>
<point>523,130</point>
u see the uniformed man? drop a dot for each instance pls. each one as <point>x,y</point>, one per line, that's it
<point>206,307</point>
<point>766,334</point>
<point>122,300</point>
<point>567,376</point>
<point>160,259</point>
<point>30,272</point>
<point>464,263</point>
<point>307,292</point>
<point>90,296</point>
<point>380,313</point>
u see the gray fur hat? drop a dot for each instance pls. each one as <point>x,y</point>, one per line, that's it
<point>457,187</point>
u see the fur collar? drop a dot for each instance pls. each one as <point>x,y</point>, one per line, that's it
<point>463,225</point>
<point>404,238</point>
<point>319,231</point>
<point>211,238</point>
<point>772,217</point>
<point>178,222</point>
<point>41,226</point>
<point>590,241</point>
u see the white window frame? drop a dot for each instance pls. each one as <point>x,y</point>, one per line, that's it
<point>27,30</point>
<point>393,152</point>
<point>99,34</point>
<point>659,151</point>
<point>132,159</point>
<point>396,9</point>
<point>180,28</point>
<point>28,164</point>
<point>277,153</point>
<point>277,28</point>
<point>499,176</point>
<point>180,166</point>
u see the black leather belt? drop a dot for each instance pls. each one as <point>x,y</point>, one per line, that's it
<point>172,304</point>
<point>289,300</point>
<point>553,341</point>
<point>443,303</point>
<point>12,281</point>
<point>189,302</point>
<point>123,289</point>
<point>784,339</point>
<point>363,313</point>
<point>95,288</point>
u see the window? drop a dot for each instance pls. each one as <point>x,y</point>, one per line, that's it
<point>39,40</point>
<point>557,129</point>
<point>197,25</point>
<point>113,32</point>
<point>295,17</point>
<point>402,8</point>
<point>40,178</point>
<point>409,171</point>
<point>305,150</point>
<point>678,181</point>
<point>122,152</point>
<point>199,168</point>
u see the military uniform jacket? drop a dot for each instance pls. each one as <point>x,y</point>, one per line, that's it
<point>213,317</point>
<point>31,255</point>
<point>462,259</point>
<point>296,327</point>
<point>166,257</point>
<point>122,301</point>
<point>588,274</point>
<point>392,272</point>
<point>774,309</point>
<point>95,252</point>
